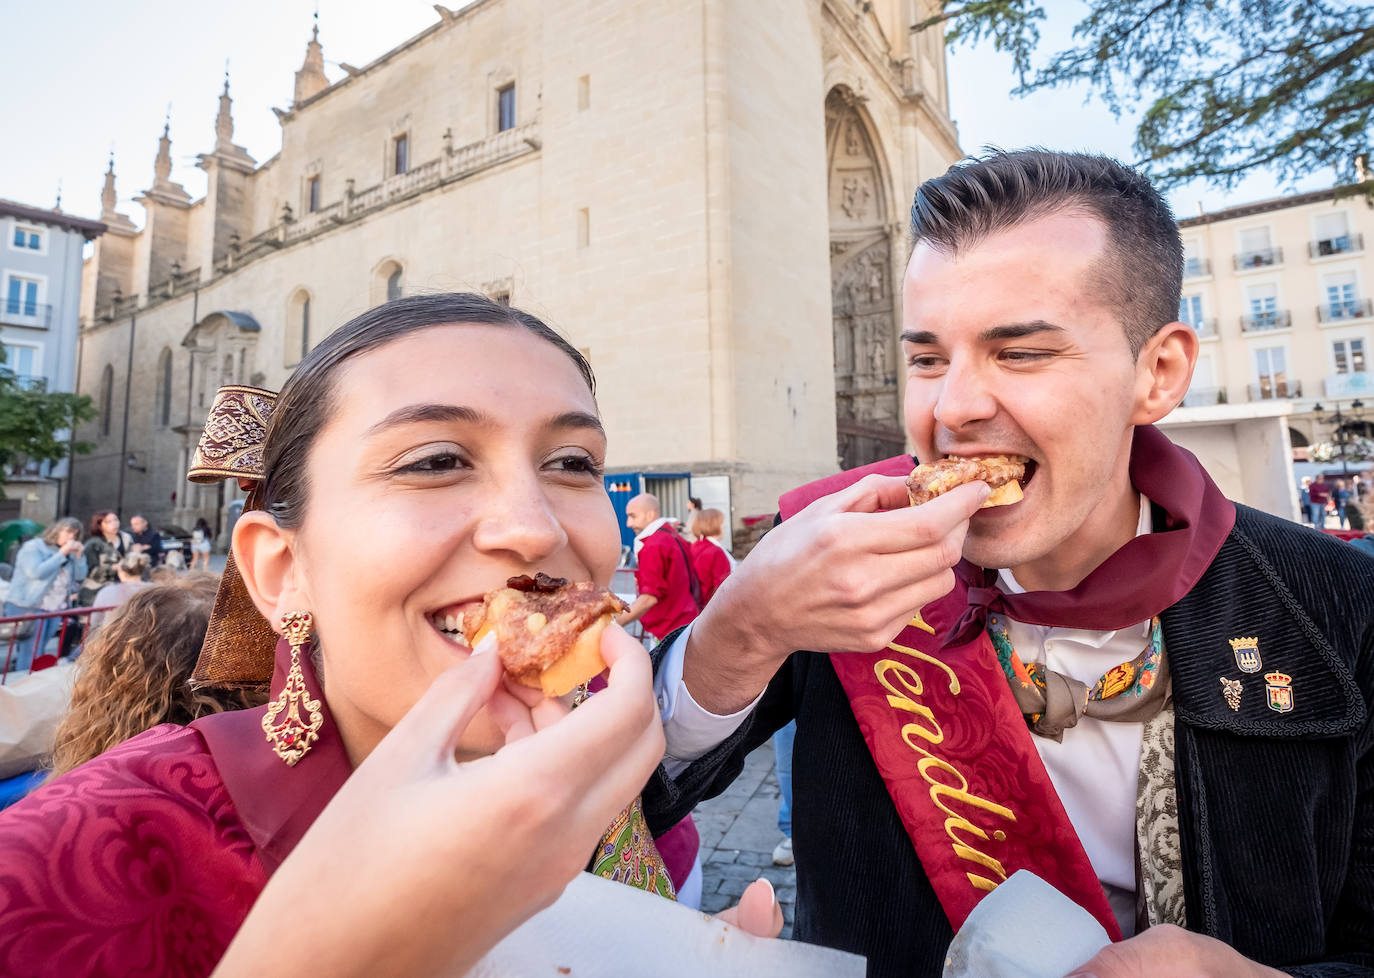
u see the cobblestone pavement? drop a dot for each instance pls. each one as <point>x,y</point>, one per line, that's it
<point>738,830</point>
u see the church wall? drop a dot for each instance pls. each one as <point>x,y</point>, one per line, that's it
<point>780,330</point>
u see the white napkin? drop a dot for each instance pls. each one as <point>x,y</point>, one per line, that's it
<point>1024,929</point>
<point>601,929</point>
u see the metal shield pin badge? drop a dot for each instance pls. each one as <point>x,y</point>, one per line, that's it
<point>1247,653</point>
<point>1280,689</point>
<point>1231,689</point>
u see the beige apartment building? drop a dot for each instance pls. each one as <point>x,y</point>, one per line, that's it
<point>709,198</point>
<point>1281,293</point>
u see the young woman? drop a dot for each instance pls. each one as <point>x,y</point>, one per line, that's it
<point>105,547</point>
<point>468,434</point>
<point>134,671</point>
<point>200,544</point>
<point>130,571</point>
<point>712,562</point>
<point>46,571</point>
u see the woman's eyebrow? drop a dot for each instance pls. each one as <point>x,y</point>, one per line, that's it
<point>415,413</point>
<point>578,419</point>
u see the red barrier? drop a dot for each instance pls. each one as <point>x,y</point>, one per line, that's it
<point>40,660</point>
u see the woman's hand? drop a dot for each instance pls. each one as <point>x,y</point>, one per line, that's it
<point>1172,952</point>
<point>423,862</point>
<point>758,911</point>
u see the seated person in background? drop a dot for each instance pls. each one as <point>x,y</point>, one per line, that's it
<point>130,572</point>
<point>145,540</point>
<point>47,570</point>
<point>712,561</point>
<point>134,672</point>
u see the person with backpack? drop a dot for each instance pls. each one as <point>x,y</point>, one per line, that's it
<point>668,590</point>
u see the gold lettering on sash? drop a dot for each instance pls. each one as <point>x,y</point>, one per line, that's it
<point>903,684</point>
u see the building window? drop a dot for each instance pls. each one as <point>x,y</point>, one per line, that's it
<point>164,394</point>
<point>1332,235</point>
<point>305,327</point>
<point>21,298</point>
<point>27,238</point>
<point>297,334</point>
<point>584,93</point>
<point>1190,311</point>
<point>20,361</point>
<point>1349,356</point>
<point>1263,303</point>
<point>106,400</point>
<point>1339,293</point>
<point>1256,251</point>
<point>312,194</point>
<point>505,107</point>
<point>393,284</point>
<point>400,154</point>
<point>584,227</point>
<point>1271,370</point>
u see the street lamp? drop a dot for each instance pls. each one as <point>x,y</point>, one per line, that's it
<point>1339,420</point>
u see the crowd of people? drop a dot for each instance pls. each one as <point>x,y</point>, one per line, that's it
<point>1154,698</point>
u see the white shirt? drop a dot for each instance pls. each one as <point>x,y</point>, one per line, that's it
<point>1094,770</point>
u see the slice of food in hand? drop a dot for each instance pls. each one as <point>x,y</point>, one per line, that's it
<point>1004,473</point>
<point>548,632</point>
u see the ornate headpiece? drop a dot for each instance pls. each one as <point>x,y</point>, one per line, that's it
<point>239,643</point>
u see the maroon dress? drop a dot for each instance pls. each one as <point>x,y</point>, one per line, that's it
<point>146,860</point>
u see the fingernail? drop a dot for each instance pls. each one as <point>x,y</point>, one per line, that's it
<point>772,895</point>
<point>486,645</point>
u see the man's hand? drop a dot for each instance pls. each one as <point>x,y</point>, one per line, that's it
<point>1172,952</point>
<point>845,574</point>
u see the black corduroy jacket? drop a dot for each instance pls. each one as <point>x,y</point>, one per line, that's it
<point>1276,810</point>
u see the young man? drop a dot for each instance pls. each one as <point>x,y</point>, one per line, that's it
<point>1151,697</point>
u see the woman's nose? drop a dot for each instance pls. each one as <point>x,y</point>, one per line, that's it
<point>519,520</point>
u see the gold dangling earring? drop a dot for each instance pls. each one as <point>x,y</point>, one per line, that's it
<point>292,738</point>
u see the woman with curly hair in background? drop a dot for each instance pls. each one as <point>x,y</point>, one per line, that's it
<point>134,671</point>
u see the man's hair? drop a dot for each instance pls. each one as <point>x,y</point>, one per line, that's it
<point>1141,273</point>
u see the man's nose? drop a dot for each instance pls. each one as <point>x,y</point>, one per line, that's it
<point>966,398</point>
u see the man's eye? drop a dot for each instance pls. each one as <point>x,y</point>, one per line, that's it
<point>923,361</point>
<point>1022,356</point>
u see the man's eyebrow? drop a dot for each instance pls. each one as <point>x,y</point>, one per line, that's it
<point>416,413</point>
<point>1010,331</point>
<point>1014,331</point>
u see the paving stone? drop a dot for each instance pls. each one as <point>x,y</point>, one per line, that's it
<point>733,888</point>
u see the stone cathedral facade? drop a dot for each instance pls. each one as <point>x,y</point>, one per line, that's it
<point>712,194</point>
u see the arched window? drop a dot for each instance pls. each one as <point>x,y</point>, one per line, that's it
<point>162,404</point>
<point>388,281</point>
<point>297,333</point>
<point>106,400</point>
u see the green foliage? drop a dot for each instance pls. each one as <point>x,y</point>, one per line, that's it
<point>31,418</point>
<point>1227,86</point>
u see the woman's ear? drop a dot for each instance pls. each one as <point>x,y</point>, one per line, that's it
<point>266,559</point>
<point>1164,370</point>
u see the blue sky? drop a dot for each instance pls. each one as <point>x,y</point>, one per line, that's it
<point>94,75</point>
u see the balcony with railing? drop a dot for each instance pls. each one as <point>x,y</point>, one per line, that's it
<point>1270,389</point>
<point>18,312</point>
<point>1204,396</point>
<point>1260,322</point>
<point>1345,244</point>
<point>1259,258</point>
<point>1345,310</point>
<point>1205,328</point>
<point>1196,268</point>
<point>1357,383</point>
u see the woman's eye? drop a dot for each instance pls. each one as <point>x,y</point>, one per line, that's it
<point>436,462</point>
<point>578,464</point>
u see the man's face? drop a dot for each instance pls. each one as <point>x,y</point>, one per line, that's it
<point>1011,348</point>
<point>138,524</point>
<point>638,515</point>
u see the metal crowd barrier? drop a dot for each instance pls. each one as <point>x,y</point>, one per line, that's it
<point>40,660</point>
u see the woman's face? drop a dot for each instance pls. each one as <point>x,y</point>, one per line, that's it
<point>110,525</point>
<point>455,457</point>
<point>65,536</point>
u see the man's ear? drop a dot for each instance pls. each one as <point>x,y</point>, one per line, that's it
<point>266,558</point>
<point>1164,369</point>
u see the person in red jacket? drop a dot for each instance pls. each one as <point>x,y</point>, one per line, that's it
<point>712,561</point>
<point>664,575</point>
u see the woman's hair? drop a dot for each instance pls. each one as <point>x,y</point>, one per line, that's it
<point>707,523</point>
<point>134,672</point>
<point>133,564</point>
<point>96,520</point>
<point>51,534</point>
<point>307,400</point>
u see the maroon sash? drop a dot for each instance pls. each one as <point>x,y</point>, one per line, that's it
<point>956,756</point>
